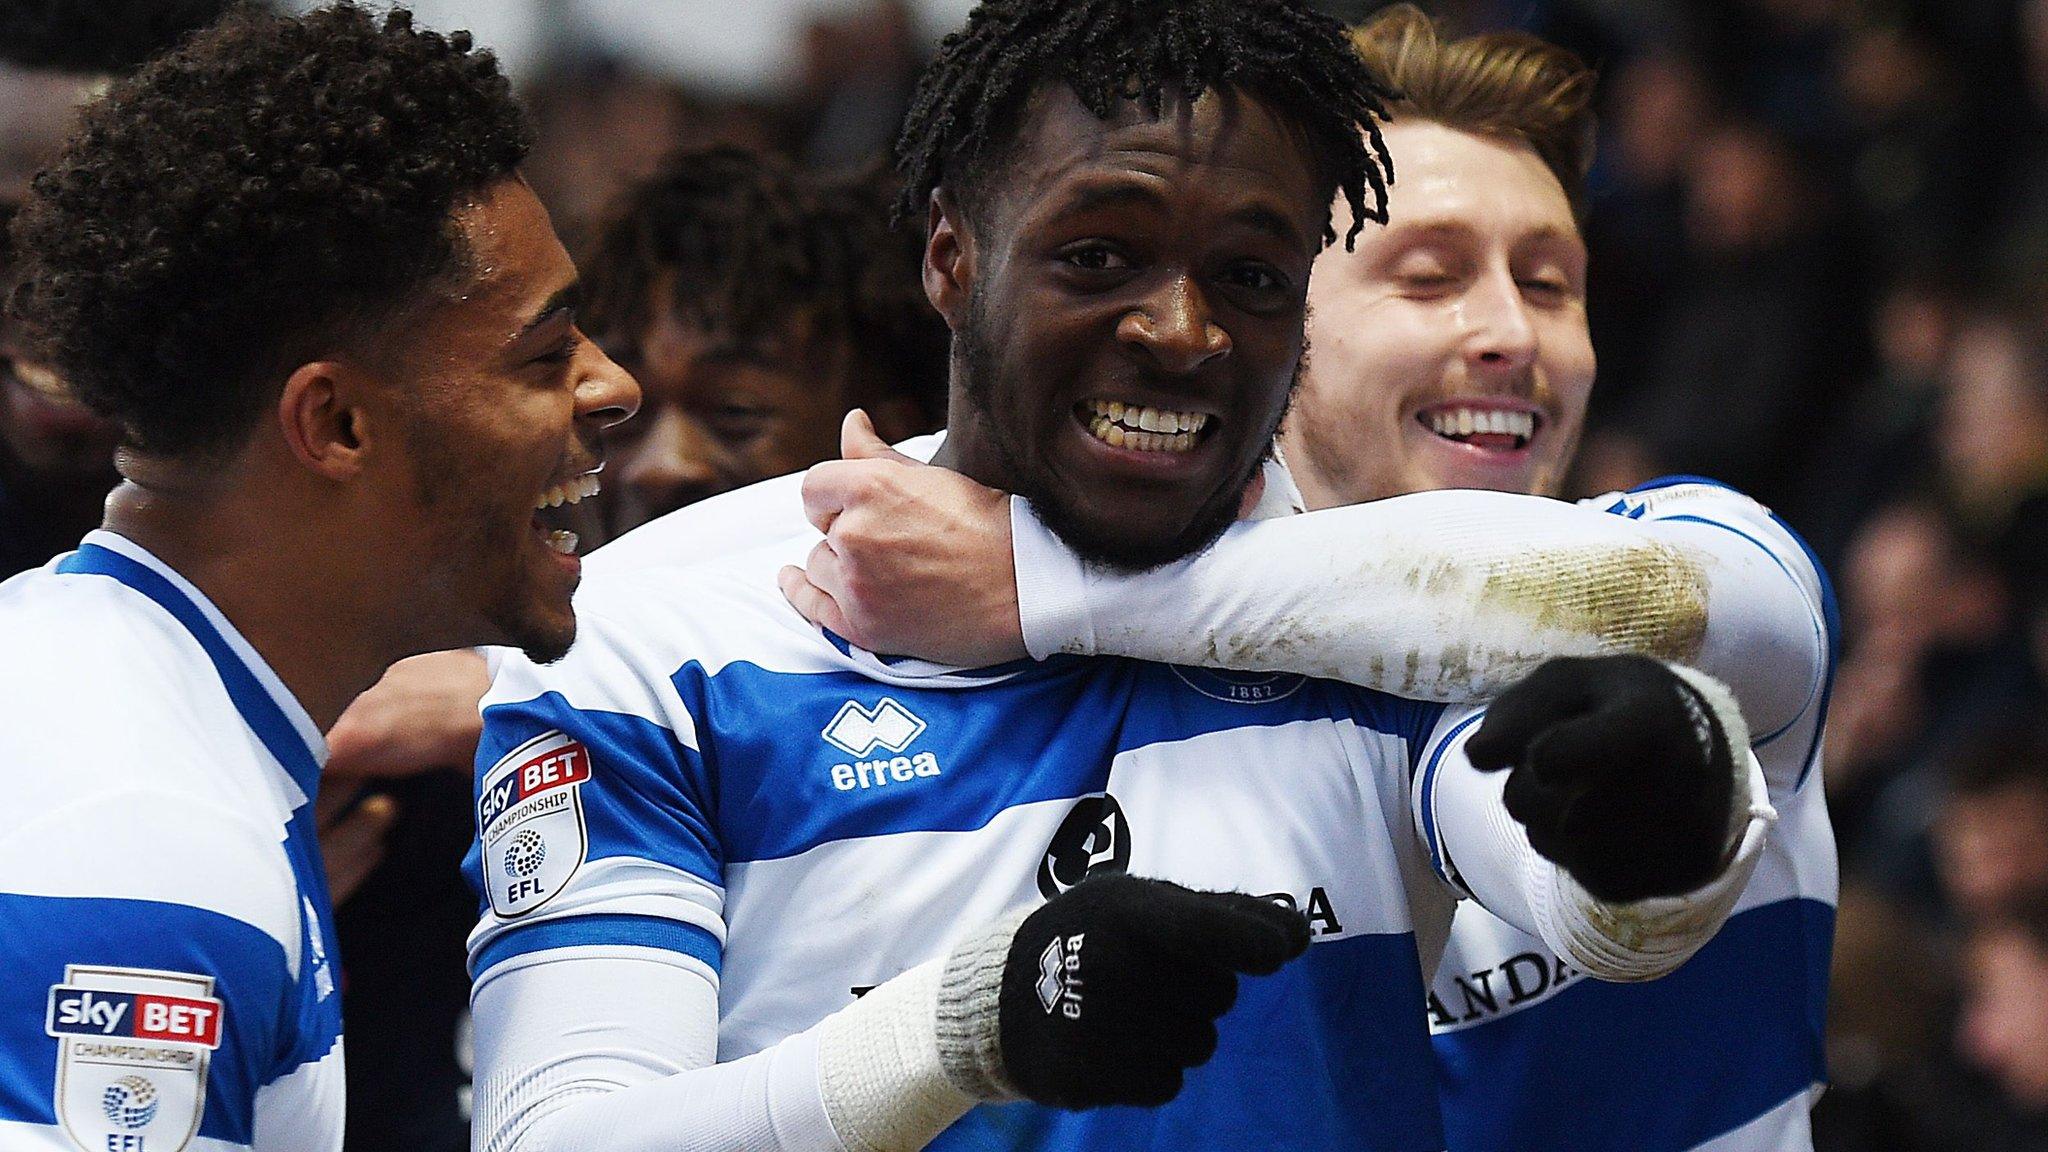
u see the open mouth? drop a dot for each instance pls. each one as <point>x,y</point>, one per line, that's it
<point>1492,429</point>
<point>1139,428</point>
<point>566,494</point>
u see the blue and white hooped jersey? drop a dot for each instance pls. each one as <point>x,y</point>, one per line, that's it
<point>709,782</point>
<point>164,922</point>
<point>1723,1054</point>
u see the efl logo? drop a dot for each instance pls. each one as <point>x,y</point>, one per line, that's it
<point>77,1011</point>
<point>552,769</point>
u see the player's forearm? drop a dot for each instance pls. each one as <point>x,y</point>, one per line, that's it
<point>1444,596</point>
<point>581,1056</point>
<point>1447,595</point>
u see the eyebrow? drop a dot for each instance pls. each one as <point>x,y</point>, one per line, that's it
<point>1117,194</point>
<point>567,300</point>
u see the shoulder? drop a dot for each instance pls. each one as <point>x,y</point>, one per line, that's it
<point>728,524</point>
<point>134,844</point>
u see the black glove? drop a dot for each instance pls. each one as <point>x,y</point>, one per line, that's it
<point>1111,990</point>
<point>1621,773</point>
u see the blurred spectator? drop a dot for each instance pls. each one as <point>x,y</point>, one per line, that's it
<point>56,456</point>
<point>1896,1086</point>
<point>601,129</point>
<point>1991,835</point>
<point>859,70</point>
<point>2004,1022</point>
<point>1881,448</point>
<point>1763,337</point>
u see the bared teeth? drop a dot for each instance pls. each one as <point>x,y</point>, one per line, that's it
<point>1117,436</point>
<point>1459,422</point>
<point>571,491</point>
<point>1137,418</point>
<point>562,541</point>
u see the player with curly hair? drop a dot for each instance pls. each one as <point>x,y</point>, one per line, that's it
<point>294,261</point>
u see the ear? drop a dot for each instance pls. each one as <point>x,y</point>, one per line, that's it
<point>948,259</point>
<point>323,419</point>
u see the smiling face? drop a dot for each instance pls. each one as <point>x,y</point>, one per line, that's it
<point>1451,347</point>
<point>500,400</point>
<point>1127,309</point>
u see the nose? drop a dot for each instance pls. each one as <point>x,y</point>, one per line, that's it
<point>673,463</point>
<point>1175,329</point>
<point>1500,337</point>
<point>605,392</point>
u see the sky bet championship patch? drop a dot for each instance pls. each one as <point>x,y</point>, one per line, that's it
<point>529,819</point>
<point>132,1050</point>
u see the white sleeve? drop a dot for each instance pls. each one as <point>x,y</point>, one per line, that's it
<point>1449,596</point>
<point>611,1053</point>
<point>1476,847</point>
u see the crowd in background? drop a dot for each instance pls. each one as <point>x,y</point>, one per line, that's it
<point>1819,237</point>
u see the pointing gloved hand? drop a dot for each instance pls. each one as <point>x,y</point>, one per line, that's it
<point>1108,992</point>
<point>1622,769</point>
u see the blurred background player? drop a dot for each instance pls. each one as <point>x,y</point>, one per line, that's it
<point>293,261</point>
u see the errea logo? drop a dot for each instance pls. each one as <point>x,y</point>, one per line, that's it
<point>857,731</point>
<point>888,726</point>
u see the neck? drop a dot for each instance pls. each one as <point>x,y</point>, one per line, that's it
<point>283,575</point>
<point>1316,492</point>
<point>968,448</point>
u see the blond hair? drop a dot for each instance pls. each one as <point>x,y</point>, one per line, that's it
<point>1494,83</point>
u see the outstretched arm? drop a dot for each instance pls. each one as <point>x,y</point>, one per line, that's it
<point>1439,595</point>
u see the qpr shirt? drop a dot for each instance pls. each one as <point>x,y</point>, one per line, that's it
<point>1725,1053</point>
<point>164,921</point>
<point>708,781</point>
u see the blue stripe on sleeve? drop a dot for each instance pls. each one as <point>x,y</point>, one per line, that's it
<point>648,796</point>
<point>1654,1067</point>
<point>607,929</point>
<point>1429,779</point>
<point>40,935</point>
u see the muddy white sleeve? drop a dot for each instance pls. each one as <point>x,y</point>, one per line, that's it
<point>1437,595</point>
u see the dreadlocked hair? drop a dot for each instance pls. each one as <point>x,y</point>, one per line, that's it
<point>276,185</point>
<point>1281,52</point>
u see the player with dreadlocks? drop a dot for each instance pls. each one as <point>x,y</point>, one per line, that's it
<point>752,887</point>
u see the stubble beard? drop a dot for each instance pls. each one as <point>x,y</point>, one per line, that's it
<point>1097,544</point>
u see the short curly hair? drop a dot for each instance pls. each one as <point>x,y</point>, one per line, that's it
<point>98,35</point>
<point>275,187</point>
<point>753,246</point>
